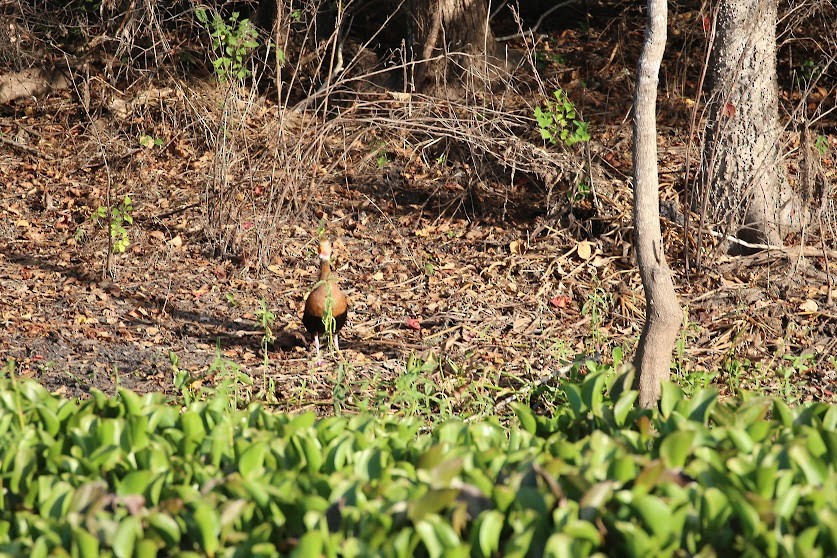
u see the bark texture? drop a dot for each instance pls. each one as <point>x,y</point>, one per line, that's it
<point>662,311</point>
<point>744,180</point>
<point>452,42</point>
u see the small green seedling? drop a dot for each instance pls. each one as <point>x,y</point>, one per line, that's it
<point>558,121</point>
<point>119,217</point>
<point>233,41</point>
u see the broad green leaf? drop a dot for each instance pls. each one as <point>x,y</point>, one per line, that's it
<point>829,421</point>
<point>146,548</point>
<point>166,527</point>
<point>592,504</point>
<point>638,542</point>
<point>805,543</point>
<point>783,413</point>
<point>814,441</point>
<point>131,401</point>
<point>815,469</point>
<point>753,410</point>
<point>310,545</point>
<point>251,461</point>
<point>675,448</point>
<point>559,545</point>
<point>670,396</point>
<point>124,542</point>
<point>135,482</point>
<point>135,435</point>
<point>208,526</point>
<point>49,420</point>
<point>701,404</point>
<point>741,439</point>
<point>786,504</point>
<point>746,515</point>
<point>654,513</point>
<point>432,502</point>
<point>623,406</point>
<point>622,469</point>
<point>591,392</point>
<point>370,464</point>
<point>526,417</point>
<point>504,496</point>
<point>584,531</point>
<point>714,508</point>
<point>438,536</point>
<point>84,544</point>
<point>573,394</point>
<point>489,527</point>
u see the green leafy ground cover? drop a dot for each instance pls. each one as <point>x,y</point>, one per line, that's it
<point>145,476</point>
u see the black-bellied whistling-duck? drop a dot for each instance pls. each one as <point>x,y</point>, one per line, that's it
<point>325,302</point>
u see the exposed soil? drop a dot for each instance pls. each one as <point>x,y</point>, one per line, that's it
<point>479,276</point>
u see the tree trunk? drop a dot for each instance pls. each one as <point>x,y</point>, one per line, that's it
<point>744,181</point>
<point>662,311</point>
<point>452,43</point>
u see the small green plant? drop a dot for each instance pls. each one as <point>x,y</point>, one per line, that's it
<point>266,319</point>
<point>231,382</point>
<point>581,191</point>
<point>232,41</point>
<point>789,375</point>
<point>382,160</point>
<point>809,70</point>
<point>340,390</point>
<point>558,121</point>
<point>544,58</point>
<point>821,144</point>
<point>416,394</point>
<point>231,300</point>
<point>120,216</point>
<point>734,370</point>
<point>148,142</point>
<point>596,307</point>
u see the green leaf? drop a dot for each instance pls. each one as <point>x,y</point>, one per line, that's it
<point>251,462</point>
<point>815,470</point>
<point>671,395</point>
<point>675,448</point>
<point>124,541</point>
<point>310,545</point>
<point>84,544</point>
<point>489,527</point>
<point>135,482</point>
<point>49,420</point>
<point>208,526</point>
<point>701,404</point>
<point>132,402</point>
<point>573,394</point>
<point>741,439</point>
<point>623,407</point>
<point>432,502</point>
<point>526,417</point>
<point>146,548</point>
<point>592,504</point>
<point>654,513</point>
<point>166,527</point>
<point>783,413</point>
<point>591,392</point>
<point>786,504</point>
<point>438,536</point>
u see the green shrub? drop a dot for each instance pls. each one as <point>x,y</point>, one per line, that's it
<point>137,475</point>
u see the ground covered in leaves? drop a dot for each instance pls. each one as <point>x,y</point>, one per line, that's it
<point>459,295</point>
